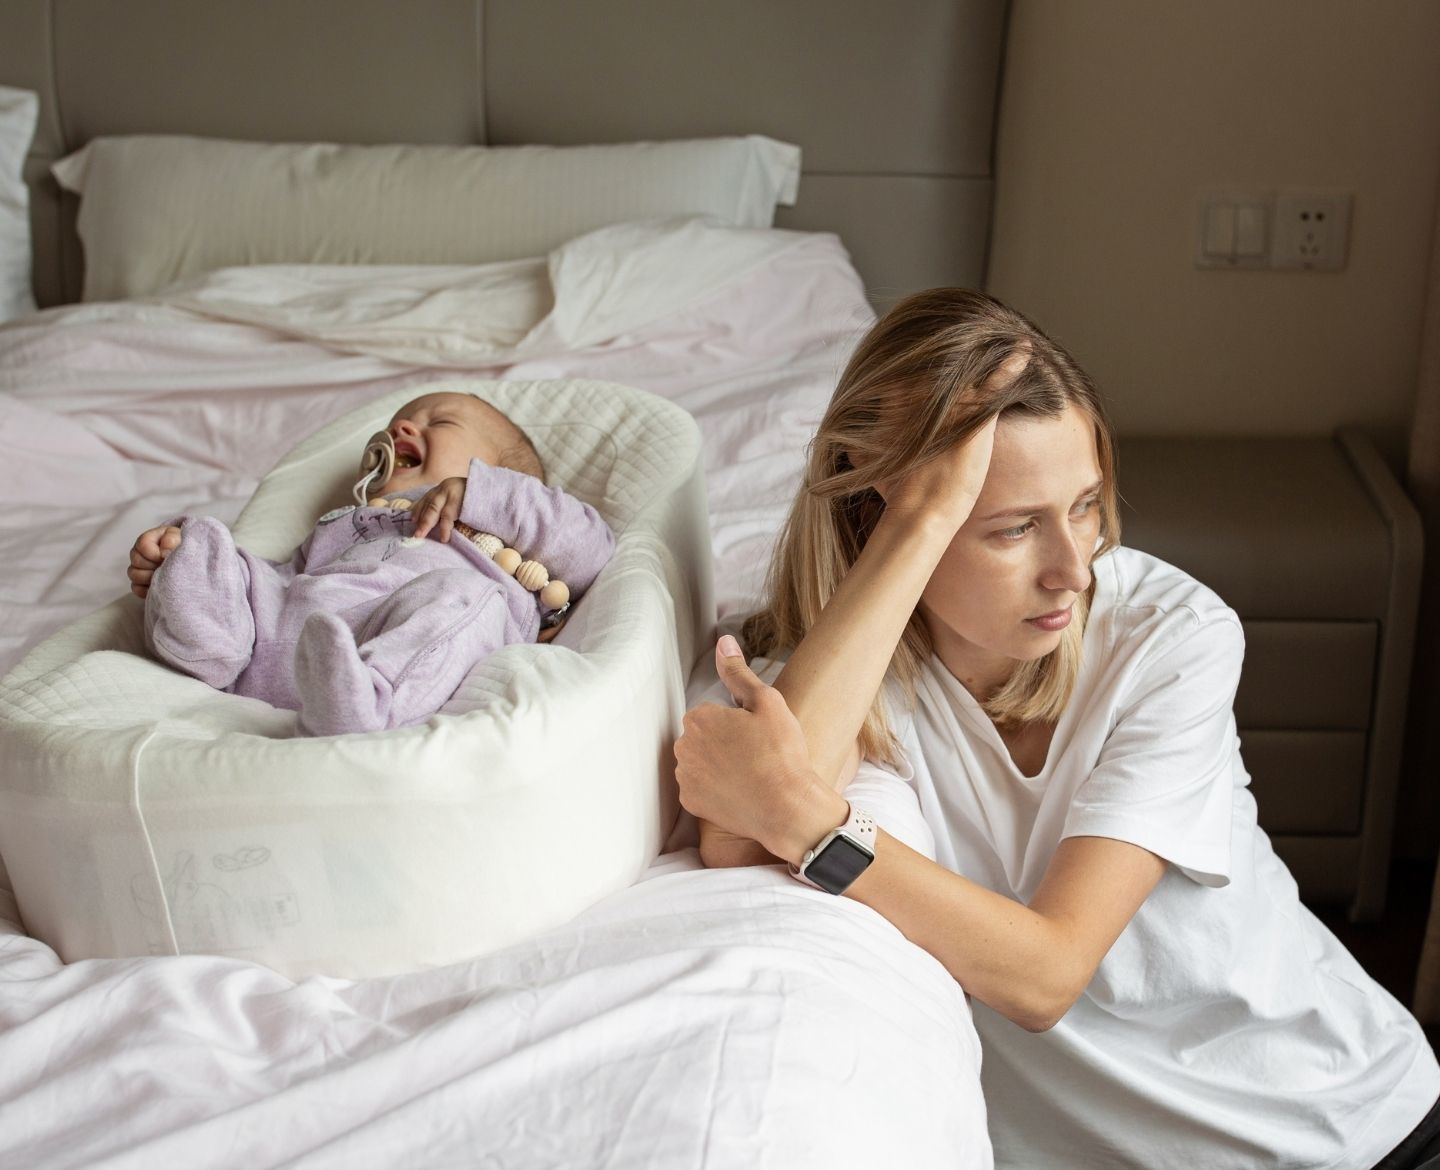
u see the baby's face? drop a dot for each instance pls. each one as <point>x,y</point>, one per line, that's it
<point>437,435</point>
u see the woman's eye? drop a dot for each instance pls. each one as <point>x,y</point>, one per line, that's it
<point>1017,532</point>
<point>1085,506</point>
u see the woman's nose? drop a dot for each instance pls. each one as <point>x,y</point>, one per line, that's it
<point>1068,568</point>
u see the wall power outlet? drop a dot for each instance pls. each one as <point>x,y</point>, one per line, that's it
<point>1311,231</point>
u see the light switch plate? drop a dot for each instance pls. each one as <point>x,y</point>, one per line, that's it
<point>1301,231</point>
<point>1233,230</point>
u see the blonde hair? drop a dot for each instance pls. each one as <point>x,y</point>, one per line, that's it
<point>926,377</point>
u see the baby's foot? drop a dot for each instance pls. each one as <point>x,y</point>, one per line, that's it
<point>336,689</point>
<point>405,660</point>
<point>197,612</point>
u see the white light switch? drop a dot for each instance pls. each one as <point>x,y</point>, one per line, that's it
<point>1249,230</point>
<point>1220,229</point>
<point>1234,230</point>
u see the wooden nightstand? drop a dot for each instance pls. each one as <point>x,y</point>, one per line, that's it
<point>1315,545</point>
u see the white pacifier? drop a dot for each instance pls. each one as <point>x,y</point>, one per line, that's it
<point>377,465</point>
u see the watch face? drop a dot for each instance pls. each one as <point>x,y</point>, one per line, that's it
<point>839,864</point>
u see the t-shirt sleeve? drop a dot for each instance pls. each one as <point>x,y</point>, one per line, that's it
<point>1165,778</point>
<point>887,791</point>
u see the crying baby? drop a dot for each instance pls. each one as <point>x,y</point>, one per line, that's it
<point>457,549</point>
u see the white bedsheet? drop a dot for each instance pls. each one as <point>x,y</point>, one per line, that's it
<point>115,415</point>
<point>701,1018</point>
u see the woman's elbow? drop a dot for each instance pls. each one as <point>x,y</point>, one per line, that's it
<point>1039,1008</point>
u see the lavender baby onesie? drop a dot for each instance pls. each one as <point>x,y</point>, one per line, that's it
<point>366,627</point>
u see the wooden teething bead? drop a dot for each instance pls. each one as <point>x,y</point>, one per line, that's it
<point>508,559</point>
<point>402,504</point>
<point>379,502</point>
<point>532,575</point>
<point>555,595</point>
<point>488,543</point>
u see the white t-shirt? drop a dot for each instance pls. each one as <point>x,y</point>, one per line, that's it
<point>1226,1027</point>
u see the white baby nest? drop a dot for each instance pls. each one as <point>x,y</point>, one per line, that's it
<point>143,813</point>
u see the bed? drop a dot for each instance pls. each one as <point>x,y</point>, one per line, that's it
<point>190,335</point>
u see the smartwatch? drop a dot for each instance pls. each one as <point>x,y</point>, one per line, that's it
<point>841,855</point>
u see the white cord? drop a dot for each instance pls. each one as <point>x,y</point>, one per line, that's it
<point>361,489</point>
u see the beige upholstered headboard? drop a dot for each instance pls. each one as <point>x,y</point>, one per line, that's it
<point>893,104</point>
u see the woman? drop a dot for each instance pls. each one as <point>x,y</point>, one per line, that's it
<point>1148,989</point>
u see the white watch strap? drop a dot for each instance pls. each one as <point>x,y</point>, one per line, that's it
<point>859,826</point>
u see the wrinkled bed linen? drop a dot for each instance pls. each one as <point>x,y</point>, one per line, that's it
<point>700,1018</point>
<point>114,416</point>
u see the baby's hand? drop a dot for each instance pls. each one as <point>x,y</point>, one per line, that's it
<point>151,548</point>
<point>440,508</point>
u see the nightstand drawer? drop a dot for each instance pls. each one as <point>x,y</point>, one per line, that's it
<point>1306,781</point>
<point>1307,675</point>
<point>1314,543</point>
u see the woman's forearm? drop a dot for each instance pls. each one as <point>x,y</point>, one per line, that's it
<point>1027,962</point>
<point>831,679</point>
<point>1012,959</point>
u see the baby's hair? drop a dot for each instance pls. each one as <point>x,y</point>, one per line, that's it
<point>520,454</point>
<point>516,451</point>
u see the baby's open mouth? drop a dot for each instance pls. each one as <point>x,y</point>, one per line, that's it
<point>407,455</point>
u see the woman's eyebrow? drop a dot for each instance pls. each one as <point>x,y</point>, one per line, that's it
<point>1031,509</point>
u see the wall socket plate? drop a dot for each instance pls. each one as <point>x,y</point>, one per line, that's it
<point>1311,230</point>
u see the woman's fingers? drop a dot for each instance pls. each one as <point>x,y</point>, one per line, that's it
<point>743,683</point>
<point>949,485</point>
<point>745,769</point>
<point>974,455</point>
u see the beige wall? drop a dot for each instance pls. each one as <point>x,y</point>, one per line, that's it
<point>1116,114</point>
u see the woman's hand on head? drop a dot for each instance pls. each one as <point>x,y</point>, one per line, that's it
<point>746,769</point>
<point>947,487</point>
<point>439,509</point>
<point>148,553</point>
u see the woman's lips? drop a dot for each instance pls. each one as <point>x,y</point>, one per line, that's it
<point>1051,622</point>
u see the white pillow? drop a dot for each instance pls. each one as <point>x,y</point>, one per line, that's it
<point>156,208</point>
<point>18,111</point>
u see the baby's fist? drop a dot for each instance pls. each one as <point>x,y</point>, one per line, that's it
<point>150,550</point>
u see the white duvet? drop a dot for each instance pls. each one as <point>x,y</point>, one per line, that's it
<point>699,1018</point>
